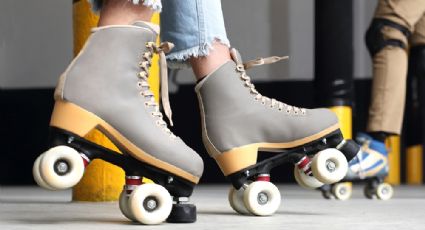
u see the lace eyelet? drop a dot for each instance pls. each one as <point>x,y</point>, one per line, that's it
<point>139,84</point>
<point>240,68</point>
<point>146,104</point>
<point>263,103</point>
<point>288,111</point>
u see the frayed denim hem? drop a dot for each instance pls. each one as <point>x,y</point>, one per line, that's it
<point>178,59</point>
<point>155,5</point>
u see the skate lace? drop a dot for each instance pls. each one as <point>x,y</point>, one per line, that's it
<point>273,103</point>
<point>143,75</point>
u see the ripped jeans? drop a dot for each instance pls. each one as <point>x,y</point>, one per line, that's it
<point>192,25</point>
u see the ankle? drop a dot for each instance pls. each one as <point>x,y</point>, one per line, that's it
<point>204,65</point>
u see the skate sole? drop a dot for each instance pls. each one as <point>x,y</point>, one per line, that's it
<point>231,161</point>
<point>177,186</point>
<point>70,117</point>
<point>293,155</point>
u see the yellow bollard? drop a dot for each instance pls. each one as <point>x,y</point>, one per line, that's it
<point>393,145</point>
<point>102,181</point>
<point>414,167</point>
<point>344,114</point>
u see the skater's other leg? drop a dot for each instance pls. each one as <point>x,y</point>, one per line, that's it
<point>197,30</point>
<point>123,12</point>
<point>204,65</point>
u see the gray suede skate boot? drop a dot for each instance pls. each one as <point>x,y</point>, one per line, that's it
<point>106,88</point>
<point>237,122</point>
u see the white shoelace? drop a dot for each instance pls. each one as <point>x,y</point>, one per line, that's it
<point>264,100</point>
<point>144,85</point>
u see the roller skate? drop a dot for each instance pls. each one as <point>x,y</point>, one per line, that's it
<point>369,166</point>
<point>238,122</point>
<point>105,88</point>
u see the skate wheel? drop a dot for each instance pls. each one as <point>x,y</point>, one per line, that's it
<point>61,167</point>
<point>384,191</point>
<point>342,191</point>
<point>36,174</point>
<point>329,166</point>
<point>124,206</point>
<point>150,204</point>
<point>236,201</point>
<point>305,181</point>
<point>262,198</point>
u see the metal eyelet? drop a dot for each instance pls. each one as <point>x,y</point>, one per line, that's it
<point>240,68</point>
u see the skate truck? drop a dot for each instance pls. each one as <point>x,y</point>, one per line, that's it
<point>62,167</point>
<point>323,161</point>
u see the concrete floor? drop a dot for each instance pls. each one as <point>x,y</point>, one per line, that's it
<point>35,208</point>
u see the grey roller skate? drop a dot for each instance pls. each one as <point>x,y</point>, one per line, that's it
<point>106,88</point>
<point>238,122</point>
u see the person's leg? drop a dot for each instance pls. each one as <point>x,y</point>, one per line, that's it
<point>197,29</point>
<point>237,120</point>
<point>387,41</point>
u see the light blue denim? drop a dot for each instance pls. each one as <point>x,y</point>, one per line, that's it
<point>191,25</point>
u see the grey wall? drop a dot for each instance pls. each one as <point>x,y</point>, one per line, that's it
<point>363,12</point>
<point>35,42</point>
<point>36,39</point>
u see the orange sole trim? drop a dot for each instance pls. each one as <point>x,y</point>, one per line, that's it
<point>242,157</point>
<point>79,121</point>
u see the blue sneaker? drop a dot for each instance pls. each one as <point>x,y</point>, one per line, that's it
<point>369,165</point>
<point>371,161</point>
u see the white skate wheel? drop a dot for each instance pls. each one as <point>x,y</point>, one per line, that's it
<point>384,191</point>
<point>236,201</point>
<point>329,166</point>
<point>305,181</point>
<point>36,174</point>
<point>61,167</point>
<point>262,198</point>
<point>150,204</point>
<point>342,191</point>
<point>124,206</point>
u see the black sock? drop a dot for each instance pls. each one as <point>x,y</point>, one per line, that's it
<point>380,135</point>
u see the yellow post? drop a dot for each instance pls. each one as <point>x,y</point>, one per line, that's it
<point>414,170</point>
<point>102,181</point>
<point>344,114</point>
<point>393,144</point>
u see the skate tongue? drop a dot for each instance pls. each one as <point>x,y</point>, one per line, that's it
<point>236,56</point>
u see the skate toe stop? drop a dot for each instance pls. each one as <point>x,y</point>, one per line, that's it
<point>182,213</point>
